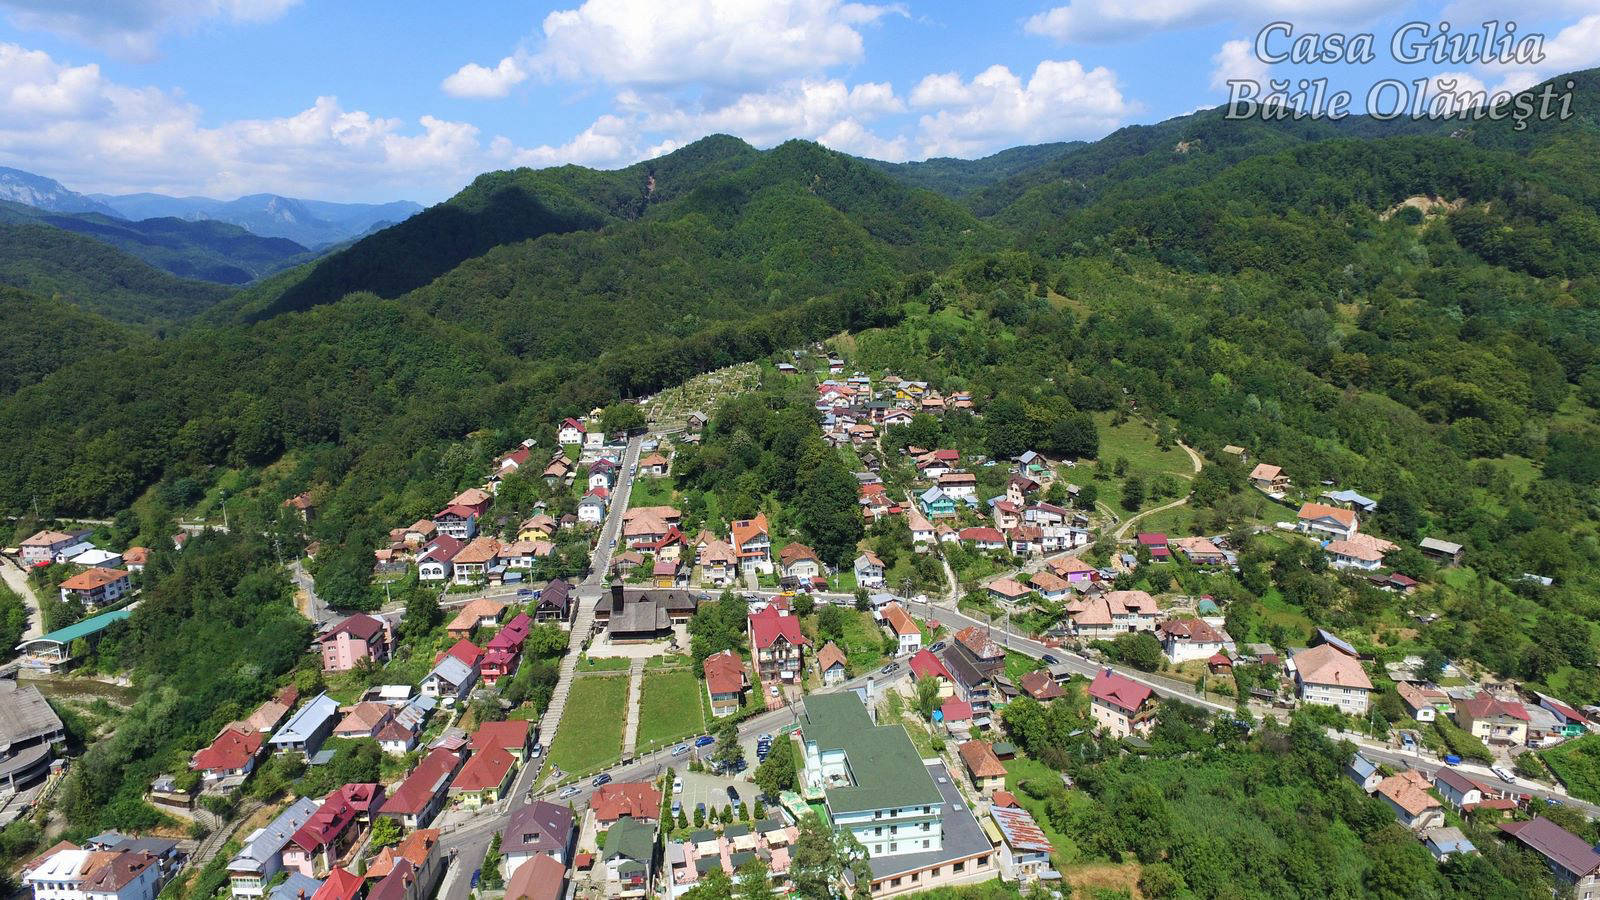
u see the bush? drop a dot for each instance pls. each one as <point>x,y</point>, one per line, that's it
<point>1460,742</point>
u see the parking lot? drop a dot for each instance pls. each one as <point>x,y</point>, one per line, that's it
<point>712,790</point>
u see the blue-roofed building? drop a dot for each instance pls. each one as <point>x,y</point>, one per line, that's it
<point>1445,842</point>
<point>936,504</point>
<point>1364,772</point>
<point>261,857</point>
<point>296,887</point>
<point>1352,500</point>
<point>308,727</point>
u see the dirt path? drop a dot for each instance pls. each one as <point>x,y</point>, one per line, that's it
<point>1194,459</point>
<point>17,580</point>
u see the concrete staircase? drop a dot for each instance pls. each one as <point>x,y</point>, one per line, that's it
<point>630,731</point>
<point>569,665</point>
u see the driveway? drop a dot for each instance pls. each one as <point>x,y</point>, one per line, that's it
<point>17,580</point>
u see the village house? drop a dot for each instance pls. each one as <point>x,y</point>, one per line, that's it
<point>408,871</point>
<point>869,570</point>
<point>484,779</point>
<point>655,465</point>
<point>233,754</point>
<point>752,545</point>
<point>926,664</point>
<point>421,794</point>
<point>602,474</point>
<point>982,538</point>
<point>629,859</point>
<point>1007,515</point>
<point>1183,640</point>
<point>1200,551</point>
<point>988,774</point>
<point>799,563</point>
<point>434,563</point>
<point>555,604</point>
<point>1324,521</point>
<point>1329,676</point>
<point>725,682</point>
<point>619,800</point>
<point>1422,703</point>
<point>320,843</point>
<point>1407,796</point>
<point>481,612</point>
<point>921,529</point>
<point>1443,551</point>
<point>1113,613</point>
<point>357,638</point>
<point>459,522</point>
<point>1025,850</point>
<point>449,680</point>
<point>1074,570</point>
<point>42,547</point>
<point>261,856</point>
<point>958,484</point>
<point>96,587</point>
<point>904,628</point>
<point>1049,585</point>
<point>1040,686</point>
<point>1492,720</point>
<point>476,559</point>
<point>831,664</point>
<point>936,504</point>
<point>1008,591</point>
<point>777,644</point>
<point>718,564</point>
<point>1154,543</point>
<point>364,720</point>
<point>1269,479</point>
<point>570,432</point>
<point>539,828</point>
<point>1121,706</point>
<point>1575,864</point>
<point>592,508</point>
<point>308,727</point>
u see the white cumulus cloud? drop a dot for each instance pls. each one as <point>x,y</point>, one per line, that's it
<point>1237,61</point>
<point>727,44</point>
<point>1060,100</point>
<point>133,28</point>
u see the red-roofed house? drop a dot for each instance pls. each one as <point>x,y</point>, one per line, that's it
<point>1187,639</point>
<point>1156,543</point>
<point>1574,863</point>
<point>926,664</point>
<point>832,664</point>
<point>988,773</point>
<point>324,838</point>
<point>904,627</point>
<point>484,779</point>
<point>234,752</point>
<point>418,798</point>
<point>359,637</point>
<point>466,651</point>
<point>514,736</point>
<point>956,715</point>
<point>752,544</point>
<point>777,643</point>
<point>1492,720</point>
<point>632,799</point>
<point>1120,705</point>
<point>1327,521</point>
<point>340,884</point>
<point>982,538</point>
<point>1040,686</point>
<point>725,682</point>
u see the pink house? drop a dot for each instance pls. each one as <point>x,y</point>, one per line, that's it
<point>359,637</point>
<point>323,839</point>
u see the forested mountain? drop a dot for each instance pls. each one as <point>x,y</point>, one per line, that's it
<point>50,262</point>
<point>957,177</point>
<point>204,250</point>
<point>39,335</point>
<point>1249,283</point>
<point>312,223</point>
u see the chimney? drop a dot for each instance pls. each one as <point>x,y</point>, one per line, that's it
<point>616,597</point>
<point>1108,671</point>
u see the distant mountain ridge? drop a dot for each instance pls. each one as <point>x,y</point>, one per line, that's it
<point>207,250</point>
<point>312,223</point>
<point>47,194</point>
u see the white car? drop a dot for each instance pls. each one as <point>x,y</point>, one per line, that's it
<point>677,785</point>
<point>1504,773</point>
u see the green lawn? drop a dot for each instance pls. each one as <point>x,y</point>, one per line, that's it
<point>604,664</point>
<point>669,708</point>
<point>1020,770</point>
<point>652,492</point>
<point>590,734</point>
<point>1020,664</point>
<point>863,642</point>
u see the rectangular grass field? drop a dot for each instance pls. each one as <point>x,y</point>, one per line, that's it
<point>590,733</point>
<point>669,707</point>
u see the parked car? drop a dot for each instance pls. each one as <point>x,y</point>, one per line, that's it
<point>1505,774</point>
<point>700,809</point>
<point>937,646</point>
<point>733,795</point>
<point>537,751</point>
<point>677,785</point>
<point>889,669</point>
<point>680,750</point>
<point>602,778</point>
<point>704,740</point>
<point>677,807</point>
<point>524,592</point>
<point>773,690</point>
<point>1452,759</point>
<point>570,790</point>
<point>1050,660</point>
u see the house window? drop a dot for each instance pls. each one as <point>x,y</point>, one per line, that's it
<point>959,867</point>
<point>924,843</point>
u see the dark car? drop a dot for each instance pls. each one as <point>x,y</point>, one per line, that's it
<point>705,740</point>
<point>700,809</point>
<point>600,779</point>
<point>937,646</point>
<point>733,795</point>
<point>1050,660</point>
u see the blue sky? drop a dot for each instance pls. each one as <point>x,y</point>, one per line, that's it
<point>367,100</point>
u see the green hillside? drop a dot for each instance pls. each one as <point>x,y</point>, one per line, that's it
<point>97,277</point>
